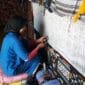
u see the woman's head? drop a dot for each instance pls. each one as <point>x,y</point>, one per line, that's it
<point>15,24</point>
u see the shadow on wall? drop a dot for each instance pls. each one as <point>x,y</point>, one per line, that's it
<point>42,29</point>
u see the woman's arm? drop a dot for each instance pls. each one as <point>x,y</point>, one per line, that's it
<point>22,52</point>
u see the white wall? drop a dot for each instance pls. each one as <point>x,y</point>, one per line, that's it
<point>38,15</point>
<point>69,41</point>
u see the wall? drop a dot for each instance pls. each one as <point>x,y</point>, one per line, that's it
<point>9,8</point>
<point>38,15</point>
<point>64,36</point>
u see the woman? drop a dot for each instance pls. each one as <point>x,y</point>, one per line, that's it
<point>16,57</point>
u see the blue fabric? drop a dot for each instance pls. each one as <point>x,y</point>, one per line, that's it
<point>13,55</point>
<point>40,77</point>
<point>52,82</point>
<point>28,67</point>
<point>40,74</point>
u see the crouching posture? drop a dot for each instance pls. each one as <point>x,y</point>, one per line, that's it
<point>16,56</point>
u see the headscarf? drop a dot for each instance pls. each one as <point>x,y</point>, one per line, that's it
<point>14,24</point>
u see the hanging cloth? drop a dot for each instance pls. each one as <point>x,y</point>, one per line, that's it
<point>80,11</point>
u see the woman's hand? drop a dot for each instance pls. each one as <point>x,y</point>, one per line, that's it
<point>41,45</point>
<point>42,39</point>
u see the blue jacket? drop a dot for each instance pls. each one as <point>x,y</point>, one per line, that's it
<point>12,53</point>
